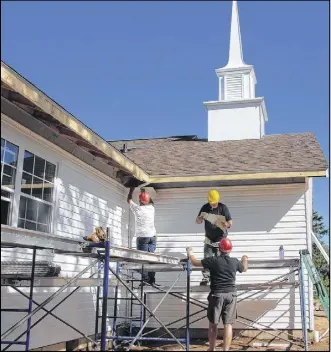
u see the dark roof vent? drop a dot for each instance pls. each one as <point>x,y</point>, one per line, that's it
<point>125,148</point>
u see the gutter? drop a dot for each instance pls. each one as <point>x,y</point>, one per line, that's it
<point>247,176</point>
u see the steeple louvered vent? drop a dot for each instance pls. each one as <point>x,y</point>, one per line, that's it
<point>234,87</point>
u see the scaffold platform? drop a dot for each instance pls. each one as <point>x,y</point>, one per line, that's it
<point>128,263</point>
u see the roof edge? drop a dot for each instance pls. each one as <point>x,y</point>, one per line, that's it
<point>246,176</point>
<point>22,86</point>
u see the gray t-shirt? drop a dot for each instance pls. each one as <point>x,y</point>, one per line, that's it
<point>223,270</point>
<point>144,215</point>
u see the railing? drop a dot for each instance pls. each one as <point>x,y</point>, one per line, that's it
<point>320,247</point>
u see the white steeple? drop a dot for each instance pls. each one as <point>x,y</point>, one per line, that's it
<point>237,114</point>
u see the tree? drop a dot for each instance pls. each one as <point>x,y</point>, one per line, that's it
<point>321,265</point>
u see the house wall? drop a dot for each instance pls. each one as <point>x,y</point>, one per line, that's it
<point>264,217</point>
<point>84,198</point>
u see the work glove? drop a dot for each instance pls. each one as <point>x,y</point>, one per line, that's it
<point>189,251</point>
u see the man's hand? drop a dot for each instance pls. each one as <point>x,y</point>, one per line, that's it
<point>189,251</point>
<point>199,219</point>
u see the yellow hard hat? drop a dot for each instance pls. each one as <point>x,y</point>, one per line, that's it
<point>213,196</point>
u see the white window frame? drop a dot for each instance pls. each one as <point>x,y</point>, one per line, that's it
<point>22,194</point>
<point>16,192</point>
<point>8,189</point>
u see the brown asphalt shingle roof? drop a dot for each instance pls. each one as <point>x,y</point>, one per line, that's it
<point>179,157</point>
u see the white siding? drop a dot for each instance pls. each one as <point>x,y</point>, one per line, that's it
<point>85,199</point>
<point>264,217</point>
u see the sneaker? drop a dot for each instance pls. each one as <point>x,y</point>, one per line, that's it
<point>204,282</point>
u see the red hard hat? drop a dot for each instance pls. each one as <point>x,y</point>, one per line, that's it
<point>144,197</point>
<point>225,245</point>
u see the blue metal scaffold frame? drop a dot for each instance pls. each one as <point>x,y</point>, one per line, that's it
<point>123,274</point>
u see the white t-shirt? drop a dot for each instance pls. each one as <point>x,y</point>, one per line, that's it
<point>144,215</point>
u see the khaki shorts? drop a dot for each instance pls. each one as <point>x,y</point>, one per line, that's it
<point>222,305</point>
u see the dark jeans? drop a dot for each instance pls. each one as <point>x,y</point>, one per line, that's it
<point>209,251</point>
<point>147,244</point>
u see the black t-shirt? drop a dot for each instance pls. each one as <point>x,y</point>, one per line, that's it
<point>223,271</point>
<point>213,232</point>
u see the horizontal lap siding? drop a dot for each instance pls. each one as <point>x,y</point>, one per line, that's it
<point>264,217</point>
<point>83,202</point>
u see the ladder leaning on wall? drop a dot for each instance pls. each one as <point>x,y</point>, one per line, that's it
<point>316,280</point>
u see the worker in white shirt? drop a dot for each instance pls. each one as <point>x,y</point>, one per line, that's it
<point>145,232</point>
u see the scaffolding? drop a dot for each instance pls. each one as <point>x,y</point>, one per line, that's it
<point>128,262</point>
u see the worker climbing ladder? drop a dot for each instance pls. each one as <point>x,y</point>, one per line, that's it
<point>316,280</point>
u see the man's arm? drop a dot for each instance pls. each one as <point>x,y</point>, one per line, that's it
<point>129,199</point>
<point>228,217</point>
<point>190,254</point>
<point>243,264</point>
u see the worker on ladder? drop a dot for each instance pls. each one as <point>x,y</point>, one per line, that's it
<point>222,299</point>
<point>144,227</point>
<point>213,233</point>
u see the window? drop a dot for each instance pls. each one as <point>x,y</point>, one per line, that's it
<point>9,156</point>
<point>37,184</point>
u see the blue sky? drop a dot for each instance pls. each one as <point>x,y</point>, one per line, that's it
<point>143,69</point>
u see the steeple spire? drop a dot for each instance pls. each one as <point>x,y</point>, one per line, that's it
<point>235,52</point>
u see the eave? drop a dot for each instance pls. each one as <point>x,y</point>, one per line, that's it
<point>23,94</point>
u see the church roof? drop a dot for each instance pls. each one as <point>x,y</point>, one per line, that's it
<point>184,156</point>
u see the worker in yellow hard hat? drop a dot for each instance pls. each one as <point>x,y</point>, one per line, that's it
<point>213,232</point>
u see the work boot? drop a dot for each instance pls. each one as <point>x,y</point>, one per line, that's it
<point>92,238</point>
<point>100,233</point>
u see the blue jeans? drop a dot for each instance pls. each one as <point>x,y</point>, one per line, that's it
<point>147,244</point>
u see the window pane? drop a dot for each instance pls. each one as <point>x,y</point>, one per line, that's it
<point>39,167</point>
<point>21,223</point>
<point>5,211</point>
<point>5,194</point>
<point>2,148</point>
<point>8,178</point>
<point>26,183</point>
<point>31,210</point>
<point>28,162</point>
<point>22,208</point>
<point>42,228</point>
<point>50,172</point>
<point>30,225</point>
<point>11,152</point>
<point>48,192</point>
<point>37,187</point>
<point>44,213</point>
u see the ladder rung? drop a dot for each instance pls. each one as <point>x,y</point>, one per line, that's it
<point>14,310</point>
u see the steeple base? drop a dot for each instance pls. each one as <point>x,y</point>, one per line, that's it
<point>236,120</point>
